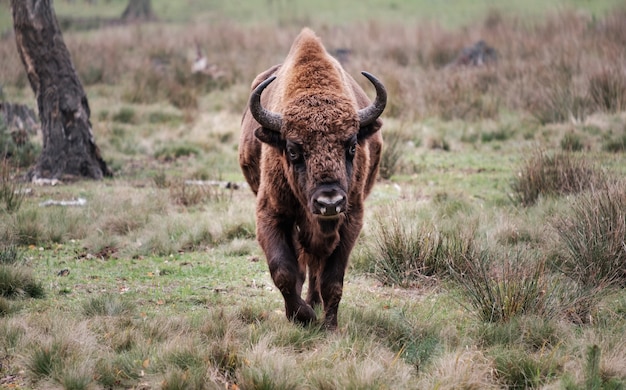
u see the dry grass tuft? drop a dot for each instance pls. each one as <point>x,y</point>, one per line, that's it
<point>561,173</point>
<point>593,237</point>
<point>607,89</point>
<point>501,287</point>
<point>468,369</point>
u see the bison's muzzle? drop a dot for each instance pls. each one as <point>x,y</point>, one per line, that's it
<point>328,201</point>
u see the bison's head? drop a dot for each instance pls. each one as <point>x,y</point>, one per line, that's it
<point>320,136</point>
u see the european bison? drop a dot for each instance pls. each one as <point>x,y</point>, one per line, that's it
<point>310,149</point>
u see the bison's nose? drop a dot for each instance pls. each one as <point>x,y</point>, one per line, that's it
<point>329,201</point>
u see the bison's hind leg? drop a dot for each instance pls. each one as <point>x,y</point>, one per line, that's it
<point>313,296</point>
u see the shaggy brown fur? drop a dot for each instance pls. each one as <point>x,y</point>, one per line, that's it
<point>319,156</point>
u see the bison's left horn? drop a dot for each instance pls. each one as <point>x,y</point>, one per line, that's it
<point>266,118</point>
<point>368,115</point>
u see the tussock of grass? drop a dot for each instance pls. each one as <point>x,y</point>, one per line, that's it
<point>572,142</point>
<point>593,237</point>
<point>500,287</point>
<point>406,254</point>
<point>10,254</point>
<point>402,255</point>
<point>516,368</point>
<point>416,343</point>
<point>5,306</point>
<point>62,353</point>
<point>125,115</point>
<point>556,97</point>
<point>107,305</point>
<point>468,369</point>
<point>465,94</point>
<point>11,193</point>
<point>608,89</point>
<point>19,282</point>
<point>16,150</point>
<point>269,368</point>
<point>531,332</point>
<point>393,150</point>
<point>562,173</point>
<point>12,332</point>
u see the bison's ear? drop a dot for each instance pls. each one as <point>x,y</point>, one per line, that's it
<point>366,131</point>
<point>268,136</point>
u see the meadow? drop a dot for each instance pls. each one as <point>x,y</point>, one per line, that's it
<point>493,254</point>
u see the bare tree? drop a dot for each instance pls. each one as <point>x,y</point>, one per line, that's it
<point>138,10</point>
<point>69,148</point>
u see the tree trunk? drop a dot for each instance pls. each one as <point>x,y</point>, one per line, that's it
<point>69,149</point>
<point>138,10</point>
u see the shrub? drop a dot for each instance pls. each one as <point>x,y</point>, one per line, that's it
<point>559,174</point>
<point>593,237</point>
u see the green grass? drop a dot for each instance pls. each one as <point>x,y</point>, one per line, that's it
<point>451,14</point>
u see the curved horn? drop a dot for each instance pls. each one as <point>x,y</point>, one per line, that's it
<point>369,114</point>
<point>266,118</point>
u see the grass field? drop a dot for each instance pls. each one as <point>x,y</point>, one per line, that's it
<point>492,254</point>
<point>452,14</point>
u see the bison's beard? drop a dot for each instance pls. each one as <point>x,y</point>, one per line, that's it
<point>330,225</point>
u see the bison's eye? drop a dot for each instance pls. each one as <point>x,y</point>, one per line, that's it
<point>352,149</point>
<point>294,152</point>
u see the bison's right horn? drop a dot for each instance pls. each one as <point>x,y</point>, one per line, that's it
<point>368,115</point>
<point>266,118</point>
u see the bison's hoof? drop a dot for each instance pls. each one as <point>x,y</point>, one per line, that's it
<point>330,324</point>
<point>303,315</point>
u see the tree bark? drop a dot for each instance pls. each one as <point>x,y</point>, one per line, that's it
<point>69,149</point>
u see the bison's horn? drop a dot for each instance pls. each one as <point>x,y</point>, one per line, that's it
<point>266,118</point>
<point>369,114</point>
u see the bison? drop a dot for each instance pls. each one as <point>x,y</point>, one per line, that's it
<point>310,149</point>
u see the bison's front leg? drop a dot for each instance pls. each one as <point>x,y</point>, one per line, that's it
<point>275,239</point>
<point>332,275</point>
<point>331,286</point>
